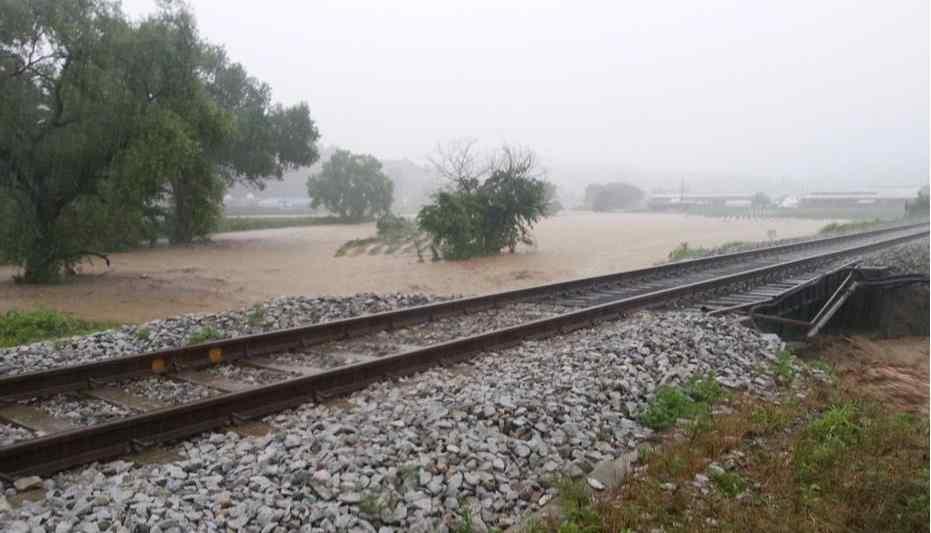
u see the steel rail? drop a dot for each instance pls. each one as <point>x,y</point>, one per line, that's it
<point>63,450</point>
<point>81,376</point>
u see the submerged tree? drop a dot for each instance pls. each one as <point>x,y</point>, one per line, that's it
<point>352,186</point>
<point>490,206</point>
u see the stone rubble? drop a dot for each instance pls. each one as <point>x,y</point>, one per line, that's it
<point>488,437</point>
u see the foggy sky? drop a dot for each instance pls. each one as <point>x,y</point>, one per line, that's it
<point>808,90</point>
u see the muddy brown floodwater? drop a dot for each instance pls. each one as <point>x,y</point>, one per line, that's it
<point>239,269</point>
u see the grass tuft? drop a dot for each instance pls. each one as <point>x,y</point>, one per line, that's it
<point>689,401</point>
<point>371,505</point>
<point>730,484</point>
<point>575,502</point>
<point>203,335</point>
<point>256,316</point>
<point>784,368</point>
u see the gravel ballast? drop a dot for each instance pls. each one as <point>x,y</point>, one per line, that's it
<point>280,313</point>
<point>436,331</point>
<point>77,410</point>
<point>249,376</point>
<point>409,455</point>
<point>167,391</point>
<point>909,258</point>
<point>10,434</point>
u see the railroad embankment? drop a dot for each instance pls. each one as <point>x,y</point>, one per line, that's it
<point>741,430</point>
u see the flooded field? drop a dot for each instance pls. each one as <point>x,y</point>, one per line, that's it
<point>238,269</point>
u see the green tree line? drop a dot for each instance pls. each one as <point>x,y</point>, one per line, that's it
<point>115,132</point>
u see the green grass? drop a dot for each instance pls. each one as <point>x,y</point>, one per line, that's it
<point>826,440</point>
<point>690,401</point>
<point>24,327</point>
<point>228,224</point>
<point>832,460</point>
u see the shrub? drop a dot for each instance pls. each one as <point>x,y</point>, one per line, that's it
<point>486,211</point>
<point>847,227</point>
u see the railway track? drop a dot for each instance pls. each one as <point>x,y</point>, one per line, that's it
<point>317,362</point>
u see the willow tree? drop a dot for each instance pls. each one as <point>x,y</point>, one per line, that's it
<point>237,132</point>
<point>352,186</point>
<point>104,123</point>
<point>71,101</point>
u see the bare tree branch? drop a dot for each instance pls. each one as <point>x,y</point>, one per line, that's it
<point>459,162</point>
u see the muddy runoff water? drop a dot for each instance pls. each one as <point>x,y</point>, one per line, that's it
<point>239,269</point>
